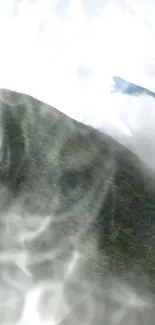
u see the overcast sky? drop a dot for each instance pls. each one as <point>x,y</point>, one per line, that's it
<point>65,52</point>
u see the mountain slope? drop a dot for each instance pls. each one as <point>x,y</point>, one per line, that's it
<point>91,187</point>
<point>126,87</point>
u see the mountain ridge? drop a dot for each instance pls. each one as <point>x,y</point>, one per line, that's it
<point>93,185</point>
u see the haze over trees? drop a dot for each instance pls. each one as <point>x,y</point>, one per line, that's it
<point>82,189</point>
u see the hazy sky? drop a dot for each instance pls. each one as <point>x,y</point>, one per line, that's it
<point>65,52</point>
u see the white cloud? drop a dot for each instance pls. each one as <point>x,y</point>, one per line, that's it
<point>65,52</point>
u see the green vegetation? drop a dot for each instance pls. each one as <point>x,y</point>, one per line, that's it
<point>129,241</point>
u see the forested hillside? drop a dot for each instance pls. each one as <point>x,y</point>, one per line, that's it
<point>94,186</point>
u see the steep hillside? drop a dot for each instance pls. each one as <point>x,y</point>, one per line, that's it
<point>125,87</point>
<point>90,185</point>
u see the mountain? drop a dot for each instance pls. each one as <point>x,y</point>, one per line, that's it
<point>125,87</point>
<point>95,192</point>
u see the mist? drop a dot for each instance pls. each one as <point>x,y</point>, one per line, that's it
<point>66,53</point>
